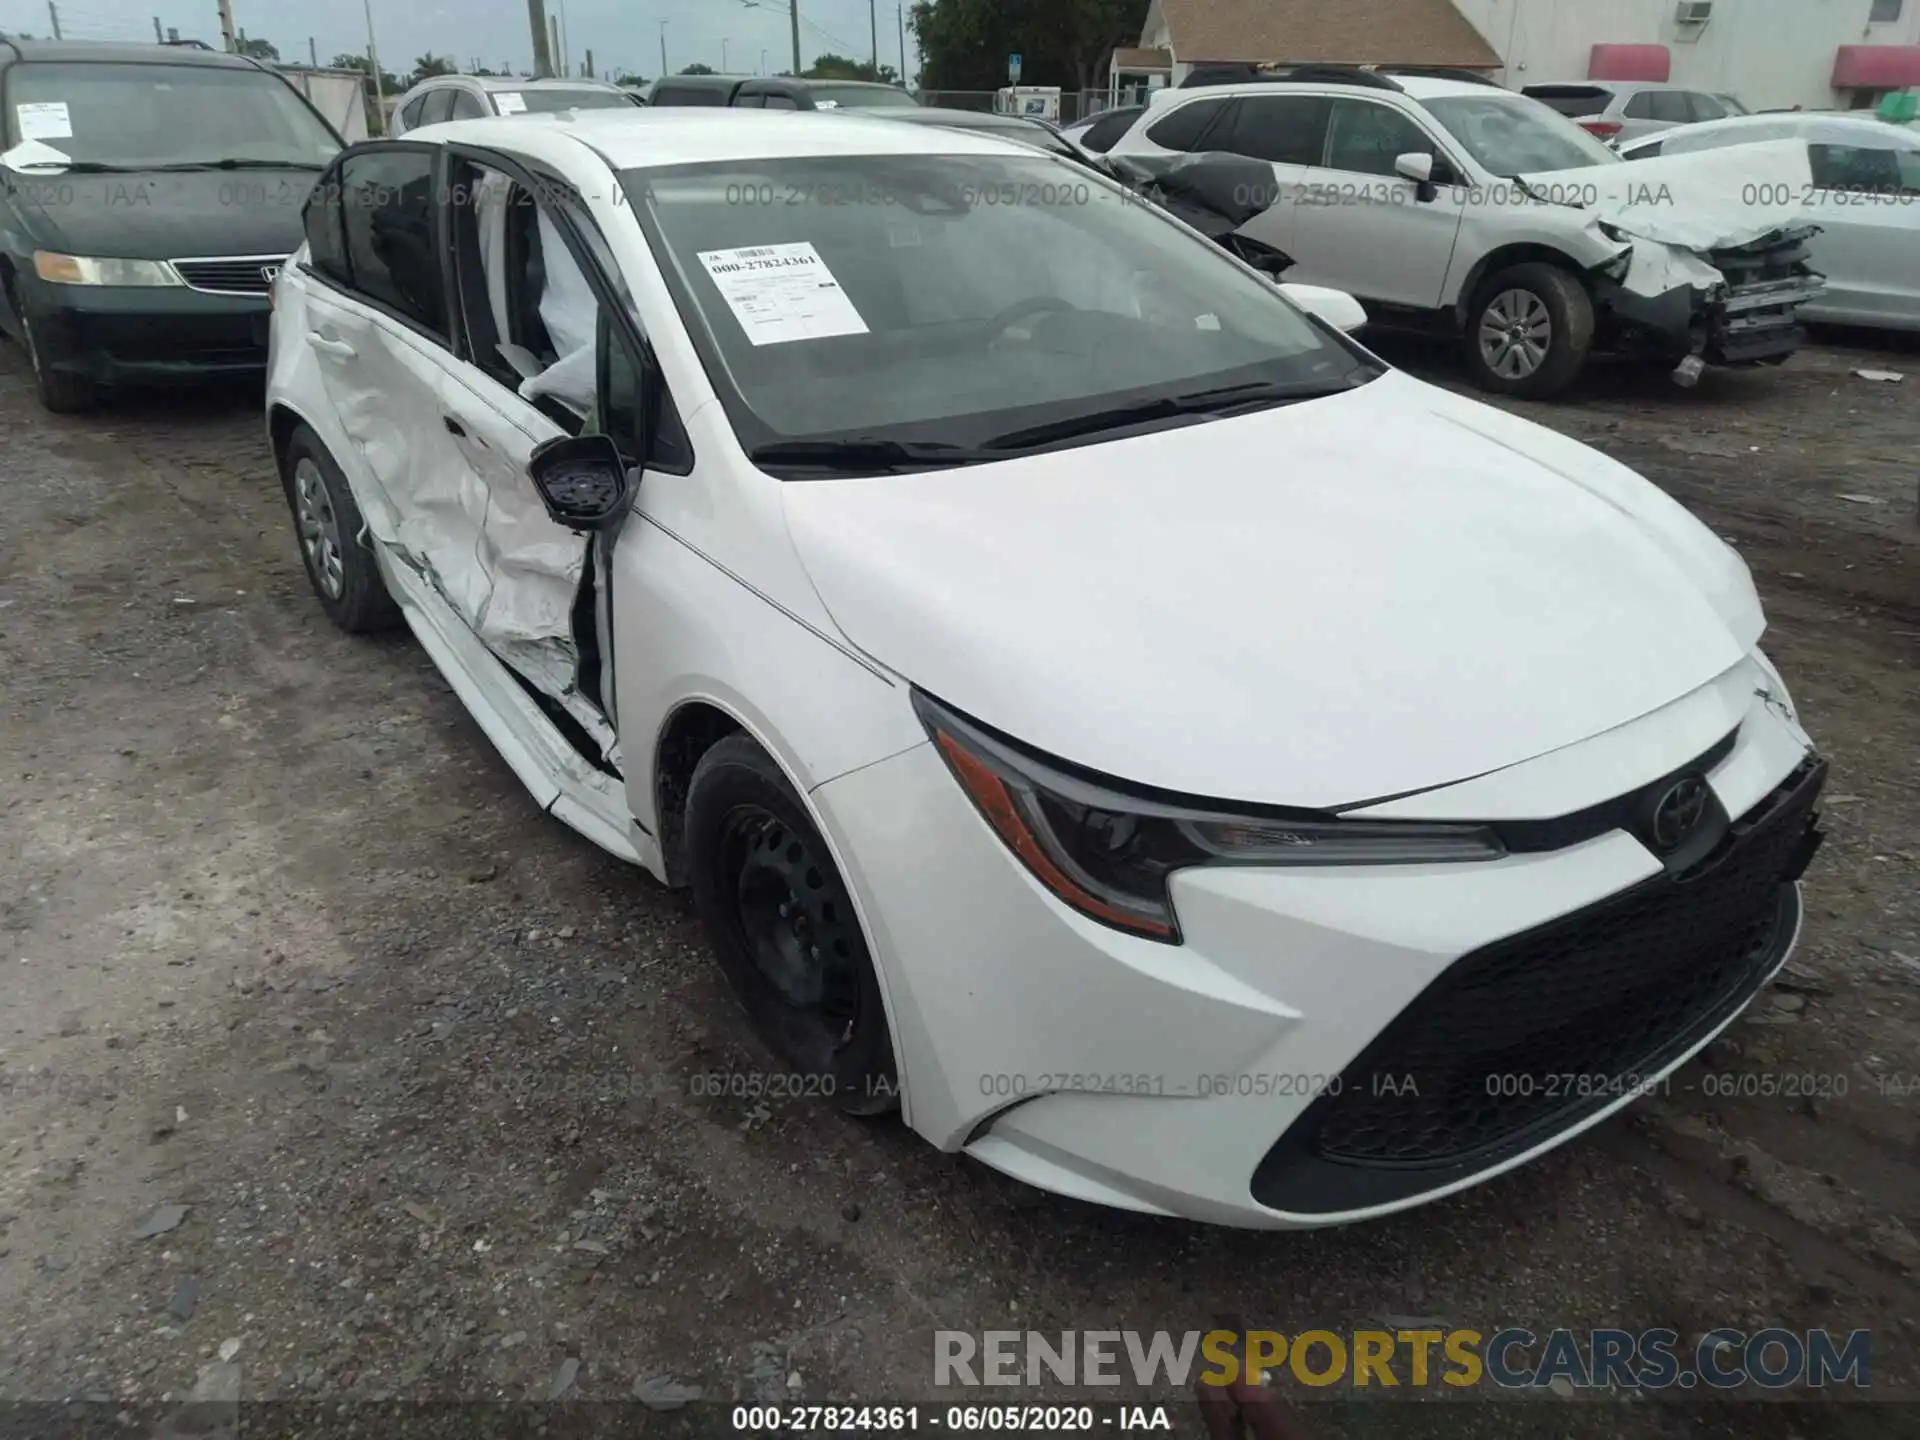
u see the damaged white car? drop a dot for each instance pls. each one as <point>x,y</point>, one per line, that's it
<point>1098,707</point>
<point>1449,204</point>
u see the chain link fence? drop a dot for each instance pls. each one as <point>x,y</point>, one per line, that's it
<point>1074,104</point>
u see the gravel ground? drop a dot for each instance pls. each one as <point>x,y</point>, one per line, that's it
<point>291,966</point>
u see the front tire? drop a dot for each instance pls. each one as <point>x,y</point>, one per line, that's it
<point>1529,331</point>
<point>59,392</point>
<point>333,539</point>
<point>783,925</point>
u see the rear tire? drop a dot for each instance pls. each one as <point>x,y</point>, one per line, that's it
<point>1529,331</point>
<point>59,392</point>
<point>784,928</point>
<point>334,546</point>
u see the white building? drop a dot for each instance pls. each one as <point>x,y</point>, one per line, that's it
<point>1818,54</point>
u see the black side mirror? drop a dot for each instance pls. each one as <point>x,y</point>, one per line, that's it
<point>582,480</point>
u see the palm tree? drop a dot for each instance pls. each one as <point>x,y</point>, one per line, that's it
<point>431,64</point>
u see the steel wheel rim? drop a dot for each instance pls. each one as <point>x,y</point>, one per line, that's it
<point>796,930</point>
<point>1516,331</point>
<point>319,528</point>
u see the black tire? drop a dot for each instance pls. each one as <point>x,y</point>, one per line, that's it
<point>780,919</point>
<point>59,392</point>
<point>1521,295</point>
<point>355,598</point>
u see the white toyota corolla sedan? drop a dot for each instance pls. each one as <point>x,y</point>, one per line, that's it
<point>1098,706</point>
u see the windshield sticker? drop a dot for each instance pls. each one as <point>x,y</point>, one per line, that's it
<point>510,102</point>
<point>32,155</point>
<point>780,293</point>
<point>44,120</point>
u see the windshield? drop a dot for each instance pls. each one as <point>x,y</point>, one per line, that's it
<point>956,299</point>
<point>849,97</point>
<point>144,115</point>
<point>548,102</point>
<point>1513,135</point>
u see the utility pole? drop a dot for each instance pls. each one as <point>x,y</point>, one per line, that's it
<point>588,71</point>
<point>542,57</point>
<point>53,14</point>
<point>553,44</point>
<point>723,55</point>
<point>313,55</point>
<point>793,14</point>
<point>373,63</point>
<point>900,18</point>
<point>158,38</point>
<point>873,29</point>
<point>565,48</point>
<point>663,49</point>
<point>226,26</point>
<point>763,62</point>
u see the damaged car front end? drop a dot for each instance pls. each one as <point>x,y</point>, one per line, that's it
<point>1703,273</point>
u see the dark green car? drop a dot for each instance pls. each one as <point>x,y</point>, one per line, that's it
<point>148,196</point>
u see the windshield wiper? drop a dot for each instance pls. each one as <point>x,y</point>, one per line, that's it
<point>1219,400</point>
<point>866,454</point>
<point>237,165</point>
<point>78,167</point>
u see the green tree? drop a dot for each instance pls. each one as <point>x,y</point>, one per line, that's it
<point>391,83</point>
<point>629,79</point>
<point>698,69</point>
<point>258,49</point>
<point>431,64</point>
<point>839,67</point>
<point>964,44</point>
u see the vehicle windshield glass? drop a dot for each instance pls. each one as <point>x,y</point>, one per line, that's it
<point>548,102</point>
<point>136,115</point>
<point>1513,135</point>
<point>954,299</point>
<point>849,97</point>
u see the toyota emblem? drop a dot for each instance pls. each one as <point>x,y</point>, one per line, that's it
<point>269,273</point>
<point>1679,813</point>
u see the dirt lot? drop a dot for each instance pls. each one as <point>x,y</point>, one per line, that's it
<point>282,942</point>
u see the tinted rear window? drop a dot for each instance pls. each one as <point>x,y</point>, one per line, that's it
<point>1571,100</point>
<point>1100,135</point>
<point>1181,130</point>
<point>665,94</point>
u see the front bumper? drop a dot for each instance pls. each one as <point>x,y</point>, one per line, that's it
<point>1755,318</point>
<point>1197,1080</point>
<point>146,335</point>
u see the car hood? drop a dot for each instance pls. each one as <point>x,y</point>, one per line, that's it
<point>1317,605</point>
<point>156,215</point>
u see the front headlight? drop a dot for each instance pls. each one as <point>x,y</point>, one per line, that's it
<point>84,270</point>
<point>1109,854</point>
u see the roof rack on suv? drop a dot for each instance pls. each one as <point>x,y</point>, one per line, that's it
<point>1312,73</point>
<point>1443,72</point>
<point>196,44</point>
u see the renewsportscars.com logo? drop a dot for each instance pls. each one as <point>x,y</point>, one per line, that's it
<point>1510,1359</point>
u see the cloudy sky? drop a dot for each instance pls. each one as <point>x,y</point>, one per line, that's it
<point>623,34</point>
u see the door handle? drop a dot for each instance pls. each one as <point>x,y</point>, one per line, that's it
<point>454,427</point>
<point>337,348</point>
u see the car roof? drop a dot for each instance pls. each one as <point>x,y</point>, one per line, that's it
<point>1840,127</point>
<point>1414,87</point>
<point>510,82</point>
<point>635,138</point>
<point>71,51</point>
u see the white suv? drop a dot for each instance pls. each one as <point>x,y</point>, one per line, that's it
<point>1404,190</point>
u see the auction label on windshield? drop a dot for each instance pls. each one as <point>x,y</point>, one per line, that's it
<point>510,102</point>
<point>44,120</point>
<point>782,292</point>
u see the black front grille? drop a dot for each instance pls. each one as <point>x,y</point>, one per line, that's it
<point>1522,1038</point>
<point>244,277</point>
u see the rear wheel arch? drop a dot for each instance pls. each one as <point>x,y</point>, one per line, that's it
<point>282,421</point>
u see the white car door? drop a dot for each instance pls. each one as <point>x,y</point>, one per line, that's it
<point>378,327</point>
<point>1287,131</point>
<point>1866,200</point>
<point>1361,227</point>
